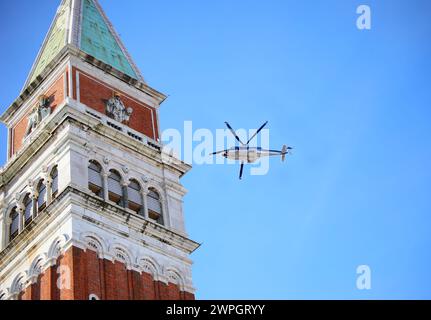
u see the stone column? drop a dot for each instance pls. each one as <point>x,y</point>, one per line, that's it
<point>3,226</point>
<point>34,202</point>
<point>144,209</point>
<point>165,211</point>
<point>33,194</point>
<point>125,201</point>
<point>48,190</point>
<point>21,219</point>
<point>7,223</point>
<point>105,186</point>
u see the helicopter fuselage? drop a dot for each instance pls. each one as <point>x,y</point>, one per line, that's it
<point>248,154</point>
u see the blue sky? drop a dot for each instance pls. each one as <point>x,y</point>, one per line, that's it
<point>355,104</point>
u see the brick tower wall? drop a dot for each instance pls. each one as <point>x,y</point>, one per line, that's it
<point>93,93</point>
<point>106,279</point>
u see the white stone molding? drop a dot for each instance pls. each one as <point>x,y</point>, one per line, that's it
<point>122,254</point>
<point>95,243</point>
<point>56,249</point>
<point>174,276</point>
<point>150,266</point>
<point>106,160</point>
<point>125,169</point>
<point>37,268</point>
<point>117,168</point>
<point>93,297</point>
<point>18,285</point>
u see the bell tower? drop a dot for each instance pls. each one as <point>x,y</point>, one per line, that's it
<point>90,205</point>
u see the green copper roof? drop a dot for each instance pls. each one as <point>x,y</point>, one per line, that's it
<point>98,40</point>
<point>55,41</point>
<point>83,24</point>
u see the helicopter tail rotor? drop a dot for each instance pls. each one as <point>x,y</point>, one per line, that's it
<point>283,153</point>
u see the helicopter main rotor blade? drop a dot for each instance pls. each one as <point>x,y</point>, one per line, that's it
<point>218,152</point>
<point>257,132</point>
<point>241,171</point>
<point>234,133</point>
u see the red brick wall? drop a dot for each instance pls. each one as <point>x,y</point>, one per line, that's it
<point>107,280</point>
<point>148,287</point>
<point>94,93</point>
<point>35,289</point>
<point>48,284</point>
<point>93,272</point>
<point>56,96</point>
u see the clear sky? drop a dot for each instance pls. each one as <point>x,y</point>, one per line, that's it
<point>355,104</point>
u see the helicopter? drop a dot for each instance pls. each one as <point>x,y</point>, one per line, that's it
<point>247,154</point>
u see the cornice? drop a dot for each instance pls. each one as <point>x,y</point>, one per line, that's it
<point>75,196</point>
<point>135,222</point>
<point>65,113</point>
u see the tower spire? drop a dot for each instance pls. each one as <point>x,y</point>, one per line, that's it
<point>84,25</point>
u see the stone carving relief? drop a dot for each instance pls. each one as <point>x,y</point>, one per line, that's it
<point>38,114</point>
<point>116,109</point>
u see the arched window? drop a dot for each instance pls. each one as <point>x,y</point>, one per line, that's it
<point>135,198</point>
<point>154,206</point>
<point>114,187</point>
<point>28,209</point>
<point>95,179</point>
<point>14,226</point>
<point>54,185</point>
<point>41,198</point>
